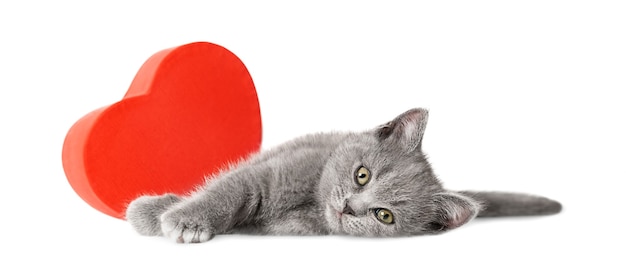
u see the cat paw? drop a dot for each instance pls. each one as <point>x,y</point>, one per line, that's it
<point>143,213</point>
<point>183,227</point>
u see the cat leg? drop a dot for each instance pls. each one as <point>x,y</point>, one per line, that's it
<point>216,209</point>
<point>144,213</point>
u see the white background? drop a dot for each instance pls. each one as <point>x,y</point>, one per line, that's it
<point>523,96</point>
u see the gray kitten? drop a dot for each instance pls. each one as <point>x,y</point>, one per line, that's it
<point>372,183</point>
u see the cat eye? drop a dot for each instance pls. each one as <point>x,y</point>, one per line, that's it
<point>362,176</point>
<point>384,215</point>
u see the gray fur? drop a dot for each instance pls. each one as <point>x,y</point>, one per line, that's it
<point>144,213</point>
<point>309,186</point>
<point>499,204</point>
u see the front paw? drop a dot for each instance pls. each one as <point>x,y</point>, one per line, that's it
<point>143,213</point>
<point>185,226</point>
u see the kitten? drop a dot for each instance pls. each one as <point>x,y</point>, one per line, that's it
<point>372,183</point>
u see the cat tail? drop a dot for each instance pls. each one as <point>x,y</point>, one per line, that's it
<point>501,204</point>
<point>144,213</point>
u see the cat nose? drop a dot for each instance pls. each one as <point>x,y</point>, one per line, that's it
<point>347,210</point>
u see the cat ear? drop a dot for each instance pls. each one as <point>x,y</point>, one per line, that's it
<point>453,210</point>
<point>407,129</point>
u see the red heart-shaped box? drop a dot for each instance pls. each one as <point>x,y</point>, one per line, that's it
<point>190,111</point>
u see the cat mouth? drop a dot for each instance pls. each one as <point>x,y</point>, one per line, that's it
<point>332,211</point>
<point>339,215</point>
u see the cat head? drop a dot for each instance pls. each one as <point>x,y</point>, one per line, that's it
<point>379,183</point>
